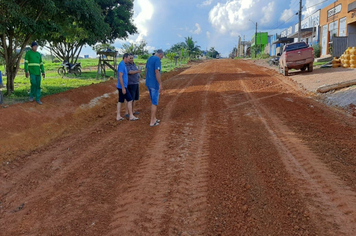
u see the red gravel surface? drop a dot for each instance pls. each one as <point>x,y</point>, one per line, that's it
<point>240,151</point>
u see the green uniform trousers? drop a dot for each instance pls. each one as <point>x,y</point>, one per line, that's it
<point>35,87</point>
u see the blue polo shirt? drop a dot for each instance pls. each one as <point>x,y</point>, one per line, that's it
<point>153,63</point>
<point>125,77</point>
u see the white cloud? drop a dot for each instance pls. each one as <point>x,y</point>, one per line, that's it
<point>208,34</point>
<point>287,14</point>
<point>179,35</point>
<point>205,3</point>
<point>234,15</point>
<point>143,18</point>
<point>311,6</point>
<point>150,48</point>
<point>268,12</point>
<point>197,30</point>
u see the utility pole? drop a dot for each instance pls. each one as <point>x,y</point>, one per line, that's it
<point>260,42</point>
<point>255,39</point>
<point>256,42</point>
<point>243,50</point>
<point>300,20</point>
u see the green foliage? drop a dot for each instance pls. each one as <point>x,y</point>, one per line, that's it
<point>92,21</point>
<point>263,56</point>
<point>20,22</point>
<point>176,48</point>
<point>66,25</point>
<point>55,84</point>
<point>145,56</point>
<point>52,85</point>
<point>103,47</point>
<point>191,47</point>
<point>171,56</point>
<point>135,49</point>
<point>212,53</point>
<point>317,50</point>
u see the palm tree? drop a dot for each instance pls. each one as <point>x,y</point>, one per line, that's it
<point>191,47</point>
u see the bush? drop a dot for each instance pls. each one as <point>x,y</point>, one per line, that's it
<point>263,56</point>
<point>317,50</point>
<point>145,56</point>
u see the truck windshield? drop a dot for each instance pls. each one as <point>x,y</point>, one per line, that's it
<point>296,46</point>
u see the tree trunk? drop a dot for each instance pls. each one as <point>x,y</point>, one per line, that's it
<point>80,50</point>
<point>10,45</point>
<point>10,77</point>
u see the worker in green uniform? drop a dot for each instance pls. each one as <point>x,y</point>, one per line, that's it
<point>33,68</point>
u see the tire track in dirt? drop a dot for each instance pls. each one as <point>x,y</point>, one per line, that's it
<point>143,206</point>
<point>331,200</point>
<point>187,201</point>
<point>249,191</point>
<point>66,172</point>
<point>67,187</point>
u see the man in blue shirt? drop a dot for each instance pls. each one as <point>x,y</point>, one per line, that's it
<point>124,94</point>
<point>154,83</point>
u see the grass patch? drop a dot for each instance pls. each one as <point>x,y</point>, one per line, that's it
<point>319,63</point>
<point>54,83</point>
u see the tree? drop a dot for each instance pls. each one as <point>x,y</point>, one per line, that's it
<point>106,21</point>
<point>171,56</point>
<point>21,21</point>
<point>136,49</point>
<point>193,50</point>
<point>66,25</point>
<point>103,47</point>
<point>212,53</point>
<point>176,48</point>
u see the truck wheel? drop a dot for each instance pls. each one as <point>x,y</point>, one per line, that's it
<point>310,67</point>
<point>303,69</point>
<point>285,71</point>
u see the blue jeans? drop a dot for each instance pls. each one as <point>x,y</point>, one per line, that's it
<point>154,94</point>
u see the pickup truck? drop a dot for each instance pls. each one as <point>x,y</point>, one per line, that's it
<point>297,56</point>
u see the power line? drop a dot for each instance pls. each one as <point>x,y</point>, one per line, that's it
<point>297,13</point>
<point>296,3</point>
<point>317,4</point>
<point>285,22</point>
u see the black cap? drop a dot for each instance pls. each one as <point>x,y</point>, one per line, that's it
<point>34,44</point>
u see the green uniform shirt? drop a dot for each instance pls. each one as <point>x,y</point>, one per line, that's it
<point>33,63</point>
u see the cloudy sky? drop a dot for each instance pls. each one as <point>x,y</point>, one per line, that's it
<point>212,23</point>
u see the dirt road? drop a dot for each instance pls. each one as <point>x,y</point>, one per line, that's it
<point>240,152</point>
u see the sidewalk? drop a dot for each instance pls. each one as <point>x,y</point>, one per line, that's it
<point>345,98</point>
<point>320,77</point>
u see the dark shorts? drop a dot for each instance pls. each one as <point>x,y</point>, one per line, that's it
<point>123,97</point>
<point>134,91</point>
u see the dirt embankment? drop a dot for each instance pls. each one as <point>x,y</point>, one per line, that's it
<point>28,126</point>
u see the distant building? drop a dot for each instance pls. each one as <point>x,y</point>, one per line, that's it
<point>260,42</point>
<point>271,47</point>
<point>242,48</point>
<point>310,29</point>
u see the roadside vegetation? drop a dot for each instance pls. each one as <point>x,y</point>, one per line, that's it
<point>53,83</point>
